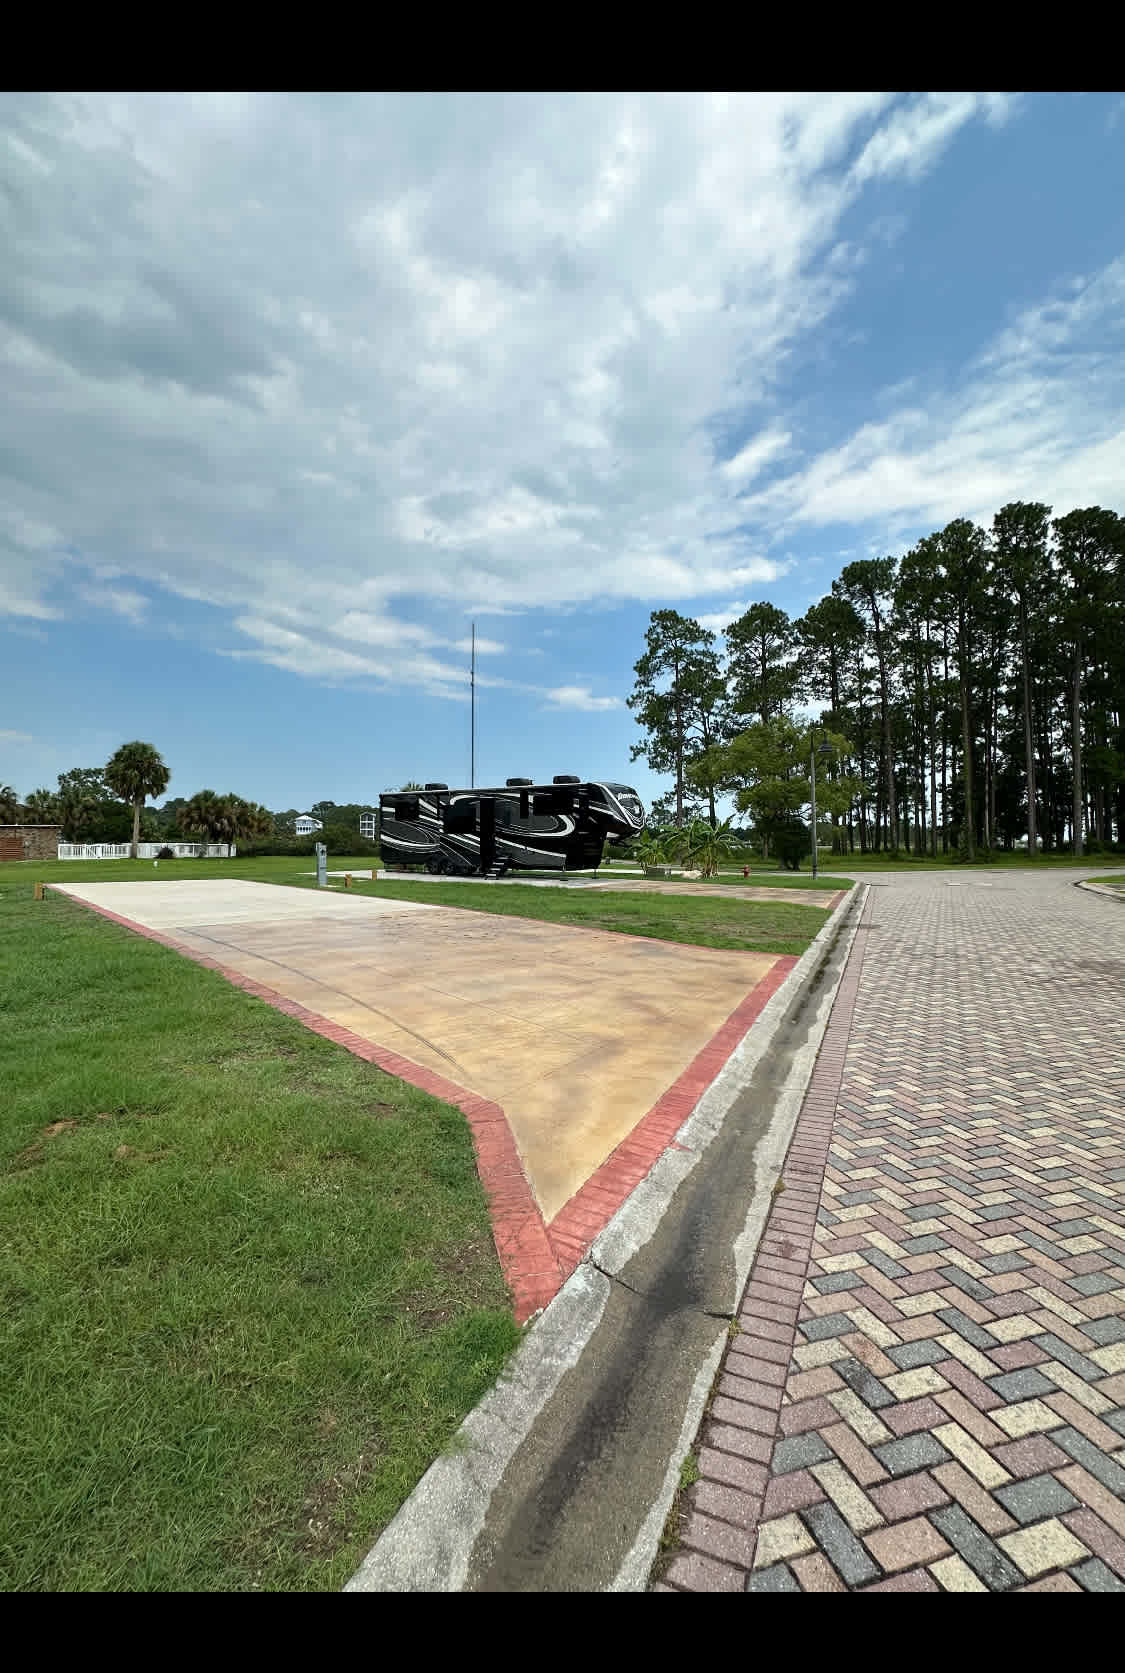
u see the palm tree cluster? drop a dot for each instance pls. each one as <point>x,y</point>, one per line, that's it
<point>695,844</point>
<point>226,818</point>
<point>134,773</point>
<point>979,681</point>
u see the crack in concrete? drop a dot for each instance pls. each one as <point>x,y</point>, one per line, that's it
<point>643,1295</point>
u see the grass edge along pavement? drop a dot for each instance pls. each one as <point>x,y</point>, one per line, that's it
<point>227,1358</point>
<point>704,921</point>
<point>1000,859</point>
<point>299,868</point>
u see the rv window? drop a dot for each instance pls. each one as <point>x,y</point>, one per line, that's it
<point>405,808</point>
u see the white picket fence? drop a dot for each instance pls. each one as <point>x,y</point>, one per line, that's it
<point>145,850</point>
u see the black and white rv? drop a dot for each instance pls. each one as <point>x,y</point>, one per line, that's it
<point>561,826</point>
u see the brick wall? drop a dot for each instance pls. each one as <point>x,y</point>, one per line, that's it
<point>35,842</point>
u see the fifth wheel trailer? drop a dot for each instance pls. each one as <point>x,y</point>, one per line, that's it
<point>485,832</point>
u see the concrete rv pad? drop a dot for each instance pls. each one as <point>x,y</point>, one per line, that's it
<point>578,1035</point>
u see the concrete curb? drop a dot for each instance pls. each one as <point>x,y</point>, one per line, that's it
<point>1101,889</point>
<point>428,1544</point>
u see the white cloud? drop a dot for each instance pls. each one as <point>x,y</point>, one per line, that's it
<point>716,620</point>
<point>16,737</point>
<point>915,134</point>
<point>407,658</point>
<point>123,601</point>
<point>20,596</point>
<point>1037,416</point>
<point>580,697</point>
<point>485,647</point>
<point>369,359</point>
<point>752,459</point>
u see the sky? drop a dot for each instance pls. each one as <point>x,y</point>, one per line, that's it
<point>296,388</point>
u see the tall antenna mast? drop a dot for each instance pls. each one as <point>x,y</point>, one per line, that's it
<point>473,713</point>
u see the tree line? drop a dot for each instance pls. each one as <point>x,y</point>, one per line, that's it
<point>108,804</point>
<point>971,692</point>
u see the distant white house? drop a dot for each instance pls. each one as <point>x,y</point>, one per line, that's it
<point>367,826</point>
<point>305,824</point>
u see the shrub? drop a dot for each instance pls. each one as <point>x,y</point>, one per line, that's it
<point>165,853</point>
<point>790,840</point>
<point>299,848</point>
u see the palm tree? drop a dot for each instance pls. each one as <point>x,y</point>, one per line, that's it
<point>9,805</point>
<point>205,814</point>
<point>243,819</point>
<point>708,845</point>
<point>257,820</point>
<point>78,809</point>
<point>42,807</point>
<point>661,847</point>
<point>412,784</point>
<point>136,772</point>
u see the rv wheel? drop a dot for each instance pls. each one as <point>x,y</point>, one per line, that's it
<point>436,864</point>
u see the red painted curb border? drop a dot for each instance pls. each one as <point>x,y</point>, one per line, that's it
<point>595,1203</point>
<point>536,1260</point>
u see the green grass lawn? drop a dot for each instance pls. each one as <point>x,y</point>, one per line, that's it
<point>914,862</point>
<point>286,868</point>
<point>781,880</point>
<point>754,926</point>
<point>1115,881</point>
<point>247,1282</point>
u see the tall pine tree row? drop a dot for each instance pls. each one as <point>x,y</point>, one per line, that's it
<point>979,680</point>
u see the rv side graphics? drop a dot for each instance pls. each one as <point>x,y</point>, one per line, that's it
<point>523,827</point>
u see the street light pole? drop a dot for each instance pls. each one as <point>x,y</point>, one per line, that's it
<point>825,749</point>
<point>812,766</point>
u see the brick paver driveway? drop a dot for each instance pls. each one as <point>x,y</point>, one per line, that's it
<point>928,1390</point>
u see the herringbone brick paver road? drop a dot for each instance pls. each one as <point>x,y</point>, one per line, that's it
<point>928,1388</point>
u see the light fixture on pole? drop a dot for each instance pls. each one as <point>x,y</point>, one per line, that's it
<point>825,749</point>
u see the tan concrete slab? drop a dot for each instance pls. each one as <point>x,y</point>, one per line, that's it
<point>575,1033</point>
<point>193,901</point>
